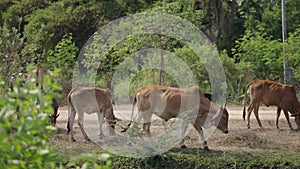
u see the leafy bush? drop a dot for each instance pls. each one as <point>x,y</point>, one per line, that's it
<point>24,126</point>
<point>263,54</point>
<point>95,161</point>
<point>10,48</point>
<point>292,52</point>
<point>63,57</point>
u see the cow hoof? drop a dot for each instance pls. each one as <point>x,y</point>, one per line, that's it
<point>73,140</point>
<point>248,127</point>
<point>124,129</point>
<point>183,146</point>
<point>206,148</point>
<point>129,143</point>
<point>100,137</point>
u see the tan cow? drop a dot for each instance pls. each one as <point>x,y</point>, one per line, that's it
<point>168,102</point>
<point>90,100</point>
<point>272,93</point>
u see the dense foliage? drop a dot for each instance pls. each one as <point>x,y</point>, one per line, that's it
<point>50,34</point>
<point>24,130</point>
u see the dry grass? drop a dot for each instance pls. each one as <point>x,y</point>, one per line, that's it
<point>268,140</point>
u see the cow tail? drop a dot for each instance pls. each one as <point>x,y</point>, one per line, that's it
<point>245,101</point>
<point>134,100</point>
<point>70,107</point>
<point>69,110</point>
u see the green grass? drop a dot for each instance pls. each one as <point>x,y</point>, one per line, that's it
<point>198,158</point>
<point>190,158</point>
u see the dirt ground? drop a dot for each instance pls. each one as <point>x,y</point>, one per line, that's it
<point>268,140</point>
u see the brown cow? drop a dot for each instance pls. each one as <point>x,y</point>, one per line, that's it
<point>168,102</point>
<point>90,100</point>
<point>37,74</point>
<point>272,93</point>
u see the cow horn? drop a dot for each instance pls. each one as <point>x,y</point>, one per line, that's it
<point>57,115</point>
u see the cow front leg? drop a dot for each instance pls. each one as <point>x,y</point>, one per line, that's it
<point>203,141</point>
<point>278,115</point>
<point>100,120</point>
<point>111,120</point>
<point>198,127</point>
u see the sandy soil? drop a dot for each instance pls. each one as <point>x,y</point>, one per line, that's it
<point>268,139</point>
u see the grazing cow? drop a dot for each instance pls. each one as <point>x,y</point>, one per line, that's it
<point>14,77</point>
<point>90,100</point>
<point>208,96</point>
<point>38,75</point>
<point>55,115</point>
<point>168,102</point>
<point>272,94</point>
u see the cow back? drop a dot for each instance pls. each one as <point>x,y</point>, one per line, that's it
<point>275,94</point>
<point>167,102</point>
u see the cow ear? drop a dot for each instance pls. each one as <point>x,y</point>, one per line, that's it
<point>223,106</point>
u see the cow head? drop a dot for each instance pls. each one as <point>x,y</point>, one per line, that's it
<point>53,118</point>
<point>221,119</point>
<point>297,119</point>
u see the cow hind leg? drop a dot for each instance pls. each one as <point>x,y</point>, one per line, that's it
<point>71,119</point>
<point>80,124</point>
<point>250,109</point>
<point>256,108</point>
<point>100,120</point>
<point>286,114</point>
<point>134,123</point>
<point>146,128</point>
<point>183,130</point>
<point>147,122</point>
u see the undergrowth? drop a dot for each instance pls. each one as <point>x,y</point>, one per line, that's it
<point>198,159</point>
